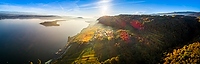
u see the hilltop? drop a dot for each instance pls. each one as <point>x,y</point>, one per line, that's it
<point>130,39</point>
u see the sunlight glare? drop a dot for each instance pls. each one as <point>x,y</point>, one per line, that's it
<point>104,6</point>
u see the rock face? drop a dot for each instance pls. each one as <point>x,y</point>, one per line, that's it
<point>130,39</point>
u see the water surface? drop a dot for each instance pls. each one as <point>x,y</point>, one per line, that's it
<point>24,40</point>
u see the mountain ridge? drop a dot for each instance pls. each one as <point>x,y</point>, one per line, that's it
<point>130,39</point>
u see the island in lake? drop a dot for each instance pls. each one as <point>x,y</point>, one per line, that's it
<point>51,23</point>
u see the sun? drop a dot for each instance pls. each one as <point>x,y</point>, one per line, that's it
<point>104,9</point>
<point>104,6</point>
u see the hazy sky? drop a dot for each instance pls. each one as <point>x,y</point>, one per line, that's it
<point>98,7</point>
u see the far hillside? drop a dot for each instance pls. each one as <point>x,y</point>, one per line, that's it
<point>133,39</point>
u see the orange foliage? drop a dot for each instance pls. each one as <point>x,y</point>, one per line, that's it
<point>124,35</point>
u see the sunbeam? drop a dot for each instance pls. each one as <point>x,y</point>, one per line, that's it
<point>104,6</point>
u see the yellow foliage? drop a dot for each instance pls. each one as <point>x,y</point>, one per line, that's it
<point>91,33</point>
<point>109,38</point>
<point>187,54</point>
<point>113,59</point>
<point>85,36</point>
<point>88,57</point>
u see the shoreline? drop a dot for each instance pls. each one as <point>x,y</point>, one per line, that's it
<point>67,46</point>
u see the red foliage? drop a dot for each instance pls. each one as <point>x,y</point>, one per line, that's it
<point>136,24</point>
<point>124,36</point>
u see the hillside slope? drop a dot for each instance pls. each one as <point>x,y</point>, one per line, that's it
<point>130,39</point>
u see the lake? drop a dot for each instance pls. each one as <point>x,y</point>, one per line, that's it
<point>25,40</point>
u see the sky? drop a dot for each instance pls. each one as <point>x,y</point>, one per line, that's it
<point>98,7</point>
